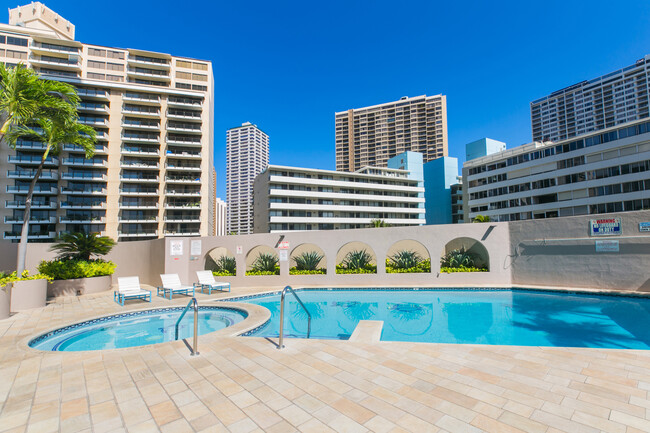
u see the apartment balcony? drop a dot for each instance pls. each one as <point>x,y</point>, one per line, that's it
<point>32,220</point>
<point>93,121</point>
<point>99,148</point>
<point>82,220</point>
<point>180,193</point>
<point>97,204</point>
<point>92,107</point>
<point>141,98</point>
<point>140,138</point>
<point>139,179</point>
<point>140,165</point>
<point>184,115</point>
<point>93,94</point>
<point>36,204</point>
<point>184,154</point>
<point>184,141</point>
<point>183,219</point>
<point>149,62</point>
<point>172,166</point>
<point>184,129</point>
<point>140,125</point>
<point>137,234</point>
<point>30,145</point>
<point>174,101</point>
<point>84,162</point>
<point>83,176</point>
<point>24,189</point>
<point>137,192</point>
<point>83,191</point>
<point>29,174</point>
<point>137,151</point>
<point>33,235</point>
<point>152,220</point>
<point>183,206</point>
<point>140,112</point>
<point>67,63</point>
<point>158,75</point>
<point>45,48</point>
<point>32,159</point>
<point>182,179</point>
<point>136,205</point>
<point>182,233</point>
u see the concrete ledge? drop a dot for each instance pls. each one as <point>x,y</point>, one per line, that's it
<point>367,331</point>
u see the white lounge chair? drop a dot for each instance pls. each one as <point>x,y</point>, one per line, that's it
<point>171,284</point>
<point>207,282</point>
<point>129,288</point>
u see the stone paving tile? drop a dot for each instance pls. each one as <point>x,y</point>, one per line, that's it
<point>247,385</point>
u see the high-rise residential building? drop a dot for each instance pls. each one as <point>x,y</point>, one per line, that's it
<point>483,147</point>
<point>151,173</point>
<point>294,199</point>
<point>370,136</point>
<point>220,217</point>
<point>247,155</point>
<point>615,98</point>
<point>598,172</point>
<point>439,176</point>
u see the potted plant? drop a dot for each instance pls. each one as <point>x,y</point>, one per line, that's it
<point>21,292</point>
<point>78,269</point>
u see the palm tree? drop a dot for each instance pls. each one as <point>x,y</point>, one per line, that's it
<point>378,223</point>
<point>26,100</point>
<point>481,219</point>
<point>80,246</point>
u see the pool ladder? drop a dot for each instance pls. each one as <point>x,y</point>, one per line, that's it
<point>284,292</point>
<point>195,307</point>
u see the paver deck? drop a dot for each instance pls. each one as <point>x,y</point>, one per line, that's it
<point>243,384</point>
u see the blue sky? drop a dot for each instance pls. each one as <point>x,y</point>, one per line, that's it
<point>288,66</point>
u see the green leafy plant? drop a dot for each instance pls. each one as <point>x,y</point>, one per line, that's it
<point>423,266</point>
<point>276,271</point>
<point>368,269</point>
<point>296,271</point>
<point>6,278</point>
<point>81,246</point>
<point>457,259</point>
<point>448,270</point>
<point>265,264</point>
<point>225,266</point>
<point>356,259</point>
<point>376,223</point>
<point>404,259</point>
<point>481,219</point>
<point>71,269</point>
<point>308,261</point>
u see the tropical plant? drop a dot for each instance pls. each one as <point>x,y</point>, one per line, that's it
<point>457,259</point>
<point>71,269</point>
<point>27,100</point>
<point>24,276</point>
<point>308,261</point>
<point>378,223</point>
<point>422,267</point>
<point>265,262</point>
<point>356,259</point>
<point>81,246</point>
<point>405,259</point>
<point>226,266</point>
<point>481,219</point>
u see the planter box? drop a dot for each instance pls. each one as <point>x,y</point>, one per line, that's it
<point>26,295</point>
<point>79,286</point>
<point>5,301</point>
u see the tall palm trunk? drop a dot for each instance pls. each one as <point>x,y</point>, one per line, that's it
<point>22,247</point>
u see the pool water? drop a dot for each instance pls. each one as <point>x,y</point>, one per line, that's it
<point>135,329</point>
<point>464,316</point>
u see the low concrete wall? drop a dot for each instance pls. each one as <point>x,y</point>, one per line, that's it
<point>78,286</point>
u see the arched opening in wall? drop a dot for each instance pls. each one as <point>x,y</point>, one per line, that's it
<point>465,255</point>
<point>356,258</point>
<point>407,256</point>
<point>221,261</point>
<point>262,260</point>
<point>307,259</point>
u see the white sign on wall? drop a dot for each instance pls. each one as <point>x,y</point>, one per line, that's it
<point>240,249</point>
<point>176,248</point>
<point>284,255</point>
<point>607,246</point>
<point>195,248</point>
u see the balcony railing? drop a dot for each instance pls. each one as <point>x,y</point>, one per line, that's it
<point>95,204</point>
<point>183,179</point>
<point>83,191</point>
<point>73,219</point>
<point>29,174</point>
<point>32,235</point>
<point>136,233</point>
<point>92,93</point>
<point>32,220</point>
<point>85,162</point>
<point>27,144</point>
<point>73,176</point>
<point>32,159</point>
<point>38,189</point>
<point>126,178</point>
<point>36,204</point>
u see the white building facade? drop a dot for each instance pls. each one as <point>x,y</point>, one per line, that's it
<point>247,155</point>
<point>599,172</point>
<point>220,215</point>
<point>293,199</point>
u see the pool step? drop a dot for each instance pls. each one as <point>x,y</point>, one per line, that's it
<point>367,331</point>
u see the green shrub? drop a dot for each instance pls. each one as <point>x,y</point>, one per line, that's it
<point>404,259</point>
<point>6,278</point>
<point>265,262</point>
<point>457,259</point>
<point>424,266</point>
<point>275,271</point>
<point>296,271</point>
<point>368,269</point>
<point>449,270</point>
<point>308,261</point>
<point>225,266</point>
<point>71,269</point>
<point>356,259</point>
<point>81,246</point>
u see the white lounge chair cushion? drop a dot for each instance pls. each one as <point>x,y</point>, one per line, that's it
<point>173,282</point>
<point>207,279</point>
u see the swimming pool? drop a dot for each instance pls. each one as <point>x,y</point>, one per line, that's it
<point>465,316</point>
<point>138,328</point>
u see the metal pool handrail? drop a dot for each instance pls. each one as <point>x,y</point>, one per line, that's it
<point>195,307</point>
<point>284,291</point>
